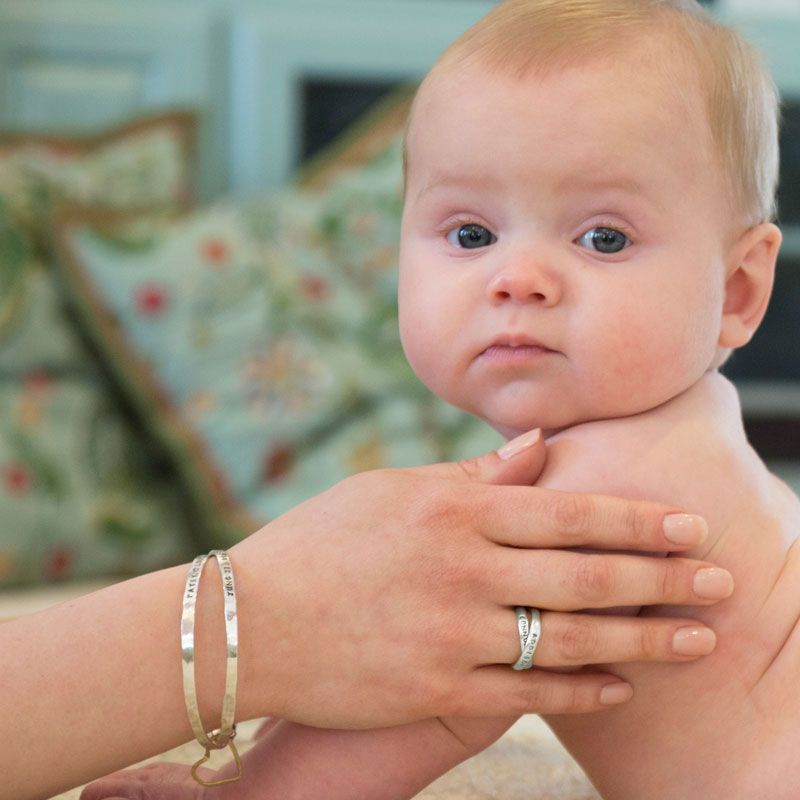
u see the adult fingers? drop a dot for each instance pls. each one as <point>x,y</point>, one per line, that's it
<point>158,781</point>
<point>500,691</point>
<point>518,462</point>
<point>528,516</point>
<point>559,580</point>
<point>524,516</point>
<point>572,640</point>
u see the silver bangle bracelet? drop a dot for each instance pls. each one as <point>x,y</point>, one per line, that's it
<point>224,735</point>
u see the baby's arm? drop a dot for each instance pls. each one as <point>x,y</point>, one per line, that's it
<point>297,762</point>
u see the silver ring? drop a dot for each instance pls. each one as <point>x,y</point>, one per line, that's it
<point>529,634</point>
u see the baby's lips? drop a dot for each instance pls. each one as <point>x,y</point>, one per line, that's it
<point>515,340</point>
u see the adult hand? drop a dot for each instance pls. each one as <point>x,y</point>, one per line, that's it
<point>389,598</point>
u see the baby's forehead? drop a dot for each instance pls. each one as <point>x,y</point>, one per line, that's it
<point>661,47</point>
<point>650,69</point>
<point>590,129</point>
<point>613,110</point>
<point>707,78</point>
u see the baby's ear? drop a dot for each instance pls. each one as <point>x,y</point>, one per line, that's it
<point>750,274</point>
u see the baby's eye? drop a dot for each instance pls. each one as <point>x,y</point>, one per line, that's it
<point>471,236</point>
<point>605,240</point>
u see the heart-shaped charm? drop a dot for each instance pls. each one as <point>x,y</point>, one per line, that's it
<point>206,757</point>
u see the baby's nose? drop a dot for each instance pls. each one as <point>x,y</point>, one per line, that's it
<point>523,284</point>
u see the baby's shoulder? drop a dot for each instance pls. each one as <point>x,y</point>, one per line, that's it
<point>691,454</point>
<point>626,457</point>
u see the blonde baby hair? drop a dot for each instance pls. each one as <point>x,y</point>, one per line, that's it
<point>522,37</point>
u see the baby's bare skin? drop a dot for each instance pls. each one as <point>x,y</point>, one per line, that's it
<point>724,727</point>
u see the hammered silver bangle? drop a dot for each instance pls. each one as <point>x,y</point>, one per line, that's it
<point>223,736</point>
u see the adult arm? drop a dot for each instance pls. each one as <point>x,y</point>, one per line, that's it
<point>389,574</point>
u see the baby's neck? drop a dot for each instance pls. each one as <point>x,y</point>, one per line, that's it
<point>711,387</point>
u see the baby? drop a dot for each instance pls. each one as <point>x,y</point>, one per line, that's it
<point>586,237</point>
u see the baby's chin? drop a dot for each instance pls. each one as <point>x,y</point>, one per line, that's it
<point>551,421</point>
<point>512,413</point>
<point>512,425</point>
<point>509,432</point>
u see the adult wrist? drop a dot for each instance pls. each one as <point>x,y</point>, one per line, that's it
<point>209,647</point>
<point>260,692</point>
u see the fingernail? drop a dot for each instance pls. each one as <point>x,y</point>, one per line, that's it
<point>616,693</point>
<point>516,446</point>
<point>694,641</point>
<point>713,583</point>
<point>685,528</point>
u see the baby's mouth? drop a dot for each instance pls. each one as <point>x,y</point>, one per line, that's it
<point>514,353</point>
<point>514,347</point>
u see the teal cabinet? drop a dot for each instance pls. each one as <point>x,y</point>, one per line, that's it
<point>77,65</point>
<point>80,65</point>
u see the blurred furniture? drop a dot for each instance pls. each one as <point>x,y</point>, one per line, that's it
<point>83,64</point>
<point>141,303</point>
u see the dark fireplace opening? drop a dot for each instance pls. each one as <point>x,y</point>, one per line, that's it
<point>789,189</point>
<point>330,106</point>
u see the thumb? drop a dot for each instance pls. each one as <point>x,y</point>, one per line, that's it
<point>517,463</point>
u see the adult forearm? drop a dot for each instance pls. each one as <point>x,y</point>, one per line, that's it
<point>95,684</point>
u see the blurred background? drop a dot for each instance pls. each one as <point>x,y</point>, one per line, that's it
<point>199,212</point>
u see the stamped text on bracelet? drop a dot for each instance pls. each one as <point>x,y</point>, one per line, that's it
<point>224,735</point>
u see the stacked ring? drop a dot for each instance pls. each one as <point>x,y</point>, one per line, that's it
<point>529,634</point>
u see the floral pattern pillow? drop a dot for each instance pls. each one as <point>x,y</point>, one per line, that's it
<point>145,165</point>
<point>35,333</point>
<point>80,495</point>
<point>66,513</point>
<point>260,340</point>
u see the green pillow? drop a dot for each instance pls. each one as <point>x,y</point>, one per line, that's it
<point>62,517</point>
<point>80,495</point>
<point>145,165</point>
<point>259,340</point>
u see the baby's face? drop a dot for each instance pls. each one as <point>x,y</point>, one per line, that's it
<point>562,244</point>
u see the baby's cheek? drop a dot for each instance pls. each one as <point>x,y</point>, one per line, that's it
<point>643,358</point>
<point>630,341</point>
<point>412,340</point>
<point>421,337</point>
